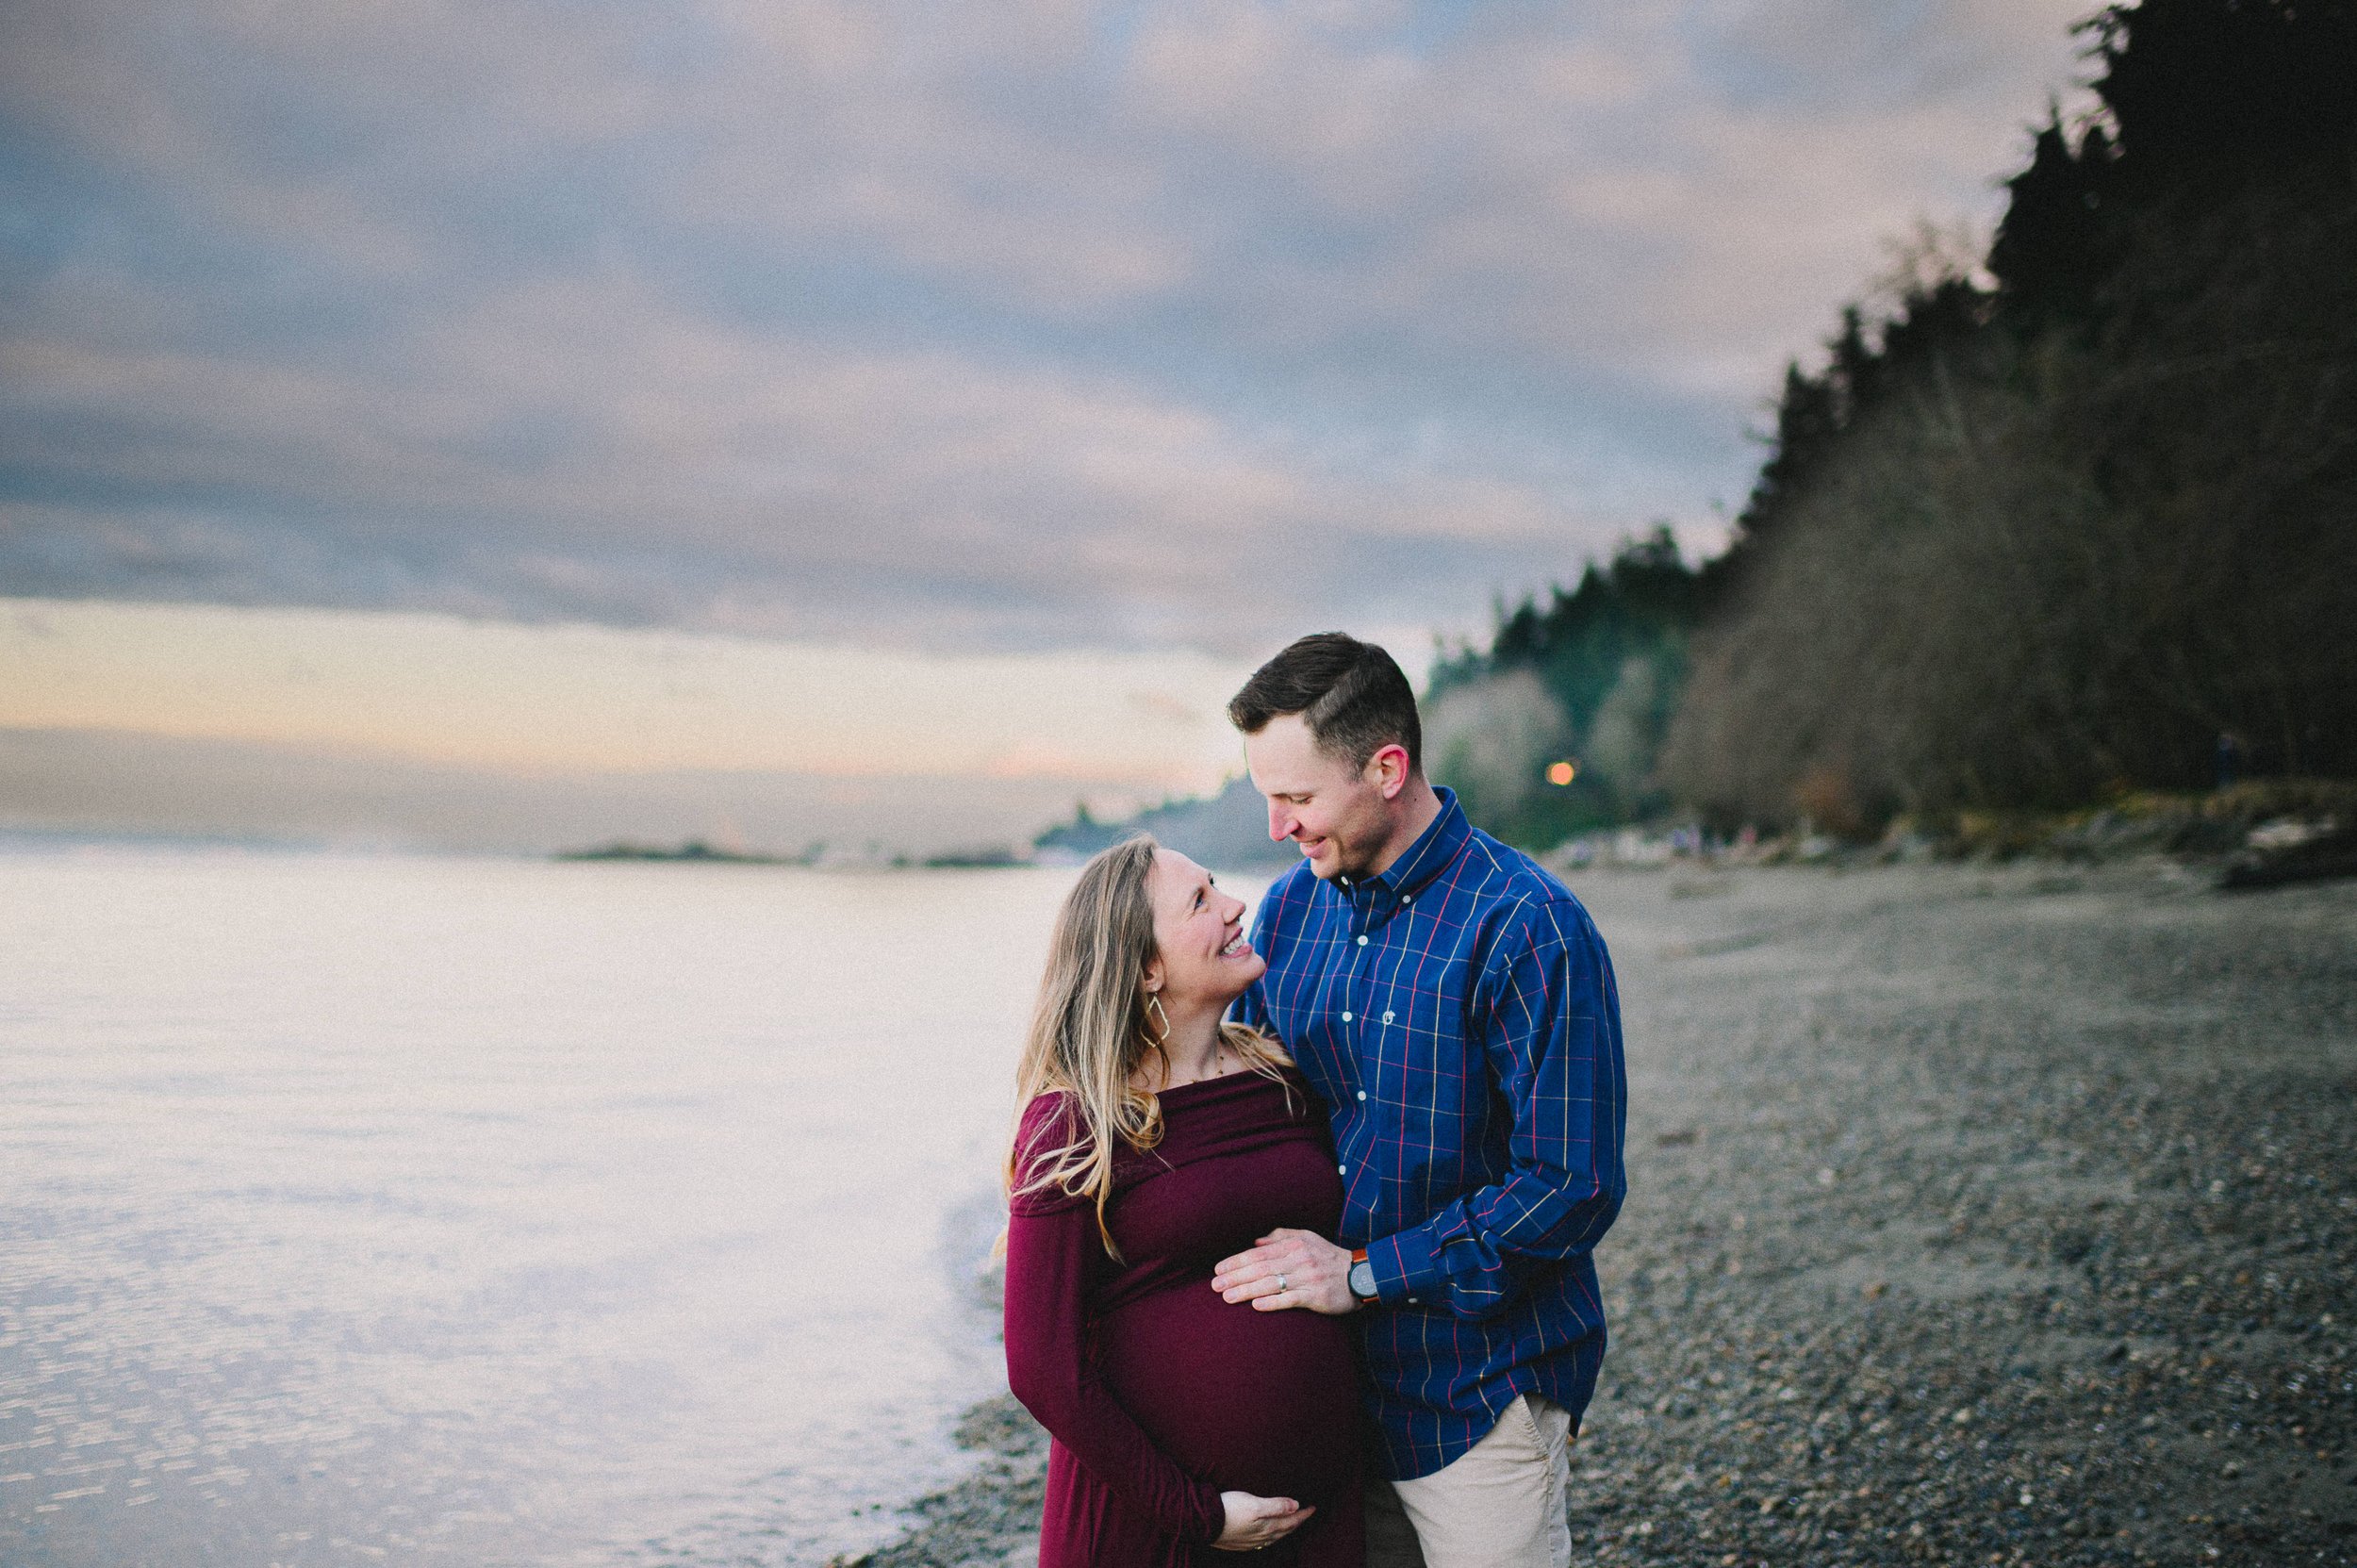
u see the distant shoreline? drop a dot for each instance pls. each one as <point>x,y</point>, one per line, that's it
<point>696,852</point>
<point>695,849</point>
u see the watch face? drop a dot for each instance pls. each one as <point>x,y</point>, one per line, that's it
<point>1362,1278</point>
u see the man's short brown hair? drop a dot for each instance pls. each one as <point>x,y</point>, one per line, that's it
<point>1351,694</point>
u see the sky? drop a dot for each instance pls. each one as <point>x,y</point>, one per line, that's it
<point>865,347</point>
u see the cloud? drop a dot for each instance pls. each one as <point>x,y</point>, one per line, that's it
<point>1029,325</point>
<point>584,450</point>
<point>517,699</point>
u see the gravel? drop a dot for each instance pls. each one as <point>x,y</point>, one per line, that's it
<point>1976,1216</point>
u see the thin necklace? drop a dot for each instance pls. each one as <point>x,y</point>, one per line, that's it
<point>1219,1057</point>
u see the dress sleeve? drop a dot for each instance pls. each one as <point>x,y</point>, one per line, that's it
<point>1051,1243</point>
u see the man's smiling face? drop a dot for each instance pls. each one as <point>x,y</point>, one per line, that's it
<point>1339,815</point>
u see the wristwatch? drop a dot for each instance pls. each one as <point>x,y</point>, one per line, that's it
<point>1361,1277</point>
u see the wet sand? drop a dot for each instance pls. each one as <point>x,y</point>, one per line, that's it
<point>1976,1216</point>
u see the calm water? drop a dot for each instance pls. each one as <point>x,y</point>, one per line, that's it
<point>445,1210</point>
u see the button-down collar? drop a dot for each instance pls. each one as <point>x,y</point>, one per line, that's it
<point>1419,862</point>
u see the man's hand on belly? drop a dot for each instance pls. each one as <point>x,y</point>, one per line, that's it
<point>1289,1269</point>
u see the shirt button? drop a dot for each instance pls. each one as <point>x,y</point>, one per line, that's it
<point>1406,900</point>
<point>1345,1017</point>
<point>1362,1094</point>
<point>1387,1014</point>
<point>1342,1170</point>
<point>1362,941</point>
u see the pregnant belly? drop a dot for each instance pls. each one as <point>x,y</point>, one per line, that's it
<point>1259,1402</point>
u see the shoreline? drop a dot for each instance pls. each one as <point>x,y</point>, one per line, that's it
<point>992,1517</point>
<point>1976,1215</point>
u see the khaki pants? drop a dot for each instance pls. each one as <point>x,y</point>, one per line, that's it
<point>1500,1504</point>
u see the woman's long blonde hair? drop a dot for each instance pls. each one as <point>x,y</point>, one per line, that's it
<point>1090,1031</point>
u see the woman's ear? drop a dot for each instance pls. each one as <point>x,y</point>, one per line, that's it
<point>1151,981</point>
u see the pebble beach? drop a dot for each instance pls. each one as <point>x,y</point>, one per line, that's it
<point>1977,1214</point>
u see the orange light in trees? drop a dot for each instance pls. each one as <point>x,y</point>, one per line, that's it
<point>1562,773</point>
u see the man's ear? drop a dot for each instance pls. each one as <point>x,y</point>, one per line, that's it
<point>1388,770</point>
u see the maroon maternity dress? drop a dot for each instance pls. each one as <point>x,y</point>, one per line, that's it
<point>1158,1395</point>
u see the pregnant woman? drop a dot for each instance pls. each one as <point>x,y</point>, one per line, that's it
<point>1154,1141</point>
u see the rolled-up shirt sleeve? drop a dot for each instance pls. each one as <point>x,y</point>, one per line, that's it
<point>1052,1242</point>
<point>1546,1013</point>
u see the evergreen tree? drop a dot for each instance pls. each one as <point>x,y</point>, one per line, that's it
<point>2031,546</point>
<point>2056,241</point>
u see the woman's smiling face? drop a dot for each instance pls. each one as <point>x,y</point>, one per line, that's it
<point>1201,951</point>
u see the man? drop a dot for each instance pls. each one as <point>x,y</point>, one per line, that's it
<point>1454,1007</point>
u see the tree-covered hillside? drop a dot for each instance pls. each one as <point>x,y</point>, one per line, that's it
<point>2073,516</point>
<point>1555,728</point>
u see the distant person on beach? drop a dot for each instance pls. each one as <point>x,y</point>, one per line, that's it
<point>1455,1009</point>
<point>1156,1138</point>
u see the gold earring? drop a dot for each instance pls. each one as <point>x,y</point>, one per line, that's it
<point>1162,1020</point>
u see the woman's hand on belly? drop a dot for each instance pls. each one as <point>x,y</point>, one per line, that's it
<point>1257,1522</point>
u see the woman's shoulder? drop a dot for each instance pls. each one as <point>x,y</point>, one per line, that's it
<point>1052,1124</point>
<point>1051,1137</point>
<point>1049,1107</point>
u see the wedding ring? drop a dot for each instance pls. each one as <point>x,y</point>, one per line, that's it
<point>1280,1283</point>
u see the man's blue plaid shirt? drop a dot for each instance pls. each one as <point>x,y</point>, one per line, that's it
<point>1458,1015</point>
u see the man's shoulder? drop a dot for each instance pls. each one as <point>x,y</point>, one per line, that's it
<point>1525,898</point>
<point>1502,873</point>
